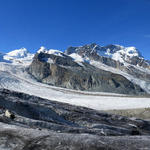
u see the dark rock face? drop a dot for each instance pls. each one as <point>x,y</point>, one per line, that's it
<point>44,124</point>
<point>65,72</point>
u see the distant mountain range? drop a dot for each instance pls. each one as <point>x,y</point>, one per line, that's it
<point>111,68</point>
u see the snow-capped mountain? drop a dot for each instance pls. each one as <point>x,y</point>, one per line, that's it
<point>19,53</point>
<point>120,53</point>
<point>124,55</point>
<point>18,56</point>
<point>75,68</point>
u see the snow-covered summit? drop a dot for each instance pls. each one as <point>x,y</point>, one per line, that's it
<point>50,51</point>
<point>122,54</point>
<point>18,56</point>
<point>18,53</point>
<point>111,50</point>
<point>115,52</point>
<point>42,49</point>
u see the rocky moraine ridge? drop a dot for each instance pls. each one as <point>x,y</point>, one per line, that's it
<point>80,68</point>
<point>32,123</point>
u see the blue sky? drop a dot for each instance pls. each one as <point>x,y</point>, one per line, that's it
<point>59,24</point>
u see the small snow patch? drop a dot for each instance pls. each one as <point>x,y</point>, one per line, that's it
<point>77,58</point>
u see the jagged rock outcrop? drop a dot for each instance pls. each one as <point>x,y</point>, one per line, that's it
<point>62,70</point>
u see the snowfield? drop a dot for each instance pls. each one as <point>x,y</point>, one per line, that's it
<point>15,77</point>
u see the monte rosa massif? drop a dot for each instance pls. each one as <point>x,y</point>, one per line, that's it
<point>111,68</point>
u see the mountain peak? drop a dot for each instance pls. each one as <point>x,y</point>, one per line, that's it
<point>130,51</point>
<point>113,51</point>
<point>92,45</point>
<point>50,51</point>
<point>42,49</point>
<point>18,53</point>
<point>18,56</point>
